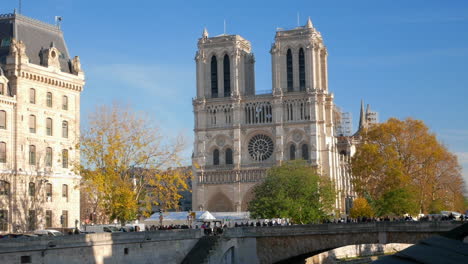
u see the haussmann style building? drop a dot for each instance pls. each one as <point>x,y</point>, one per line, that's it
<point>240,133</point>
<point>40,88</point>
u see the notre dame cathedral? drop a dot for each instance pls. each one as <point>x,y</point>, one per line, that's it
<point>239,133</point>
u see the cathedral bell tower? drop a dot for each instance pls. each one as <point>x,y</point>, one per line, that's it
<point>299,60</point>
<point>225,66</point>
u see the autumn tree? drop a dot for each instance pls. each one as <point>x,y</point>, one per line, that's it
<point>361,208</point>
<point>294,190</point>
<point>126,164</point>
<point>401,167</point>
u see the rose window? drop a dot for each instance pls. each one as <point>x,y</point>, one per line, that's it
<point>260,147</point>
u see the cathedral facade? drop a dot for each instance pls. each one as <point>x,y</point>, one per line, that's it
<point>40,88</point>
<point>241,133</point>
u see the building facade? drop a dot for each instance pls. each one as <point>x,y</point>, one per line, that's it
<point>40,88</point>
<point>240,133</point>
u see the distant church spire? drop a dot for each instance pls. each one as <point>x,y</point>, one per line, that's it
<point>309,23</point>
<point>362,117</point>
<point>205,33</point>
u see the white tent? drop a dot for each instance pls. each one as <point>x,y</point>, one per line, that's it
<point>177,218</point>
<point>206,216</point>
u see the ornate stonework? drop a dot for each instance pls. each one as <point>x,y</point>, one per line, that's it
<point>254,132</point>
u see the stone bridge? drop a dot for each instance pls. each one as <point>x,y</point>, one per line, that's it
<point>242,245</point>
<point>285,244</point>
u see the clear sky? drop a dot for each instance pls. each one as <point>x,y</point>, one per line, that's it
<point>405,58</point>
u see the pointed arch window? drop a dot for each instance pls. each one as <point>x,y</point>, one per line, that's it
<point>214,77</point>
<point>227,76</point>
<point>302,80</point>
<point>65,129</point>
<point>216,157</point>
<point>3,119</point>
<point>292,152</point>
<point>49,126</point>
<point>305,152</point>
<point>229,156</point>
<point>64,158</point>
<point>3,156</point>
<point>289,70</point>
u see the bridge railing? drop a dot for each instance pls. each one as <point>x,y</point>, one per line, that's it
<point>294,230</point>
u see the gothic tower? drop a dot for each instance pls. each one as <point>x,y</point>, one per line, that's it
<point>240,134</point>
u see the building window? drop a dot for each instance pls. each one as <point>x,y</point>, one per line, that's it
<point>64,219</point>
<point>32,96</point>
<point>65,103</point>
<point>49,126</point>
<point>216,157</point>
<point>214,77</point>
<point>65,129</point>
<point>48,190</point>
<point>48,158</point>
<point>227,76</point>
<point>3,156</point>
<point>65,191</point>
<point>292,152</point>
<point>305,152</point>
<point>2,89</point>
<point>48,218</point>
<point>32,124</point>
<point>64,158</point>
<point>229,156</point>
<point>49,99</point>
<point>32,189</point>
<point>3,220</point>
<point>32,155</point>
<point>4,188</point>
<point>32,220</point>
<point>289,70</point>
<point>301,70</point>
<point>2,119</point>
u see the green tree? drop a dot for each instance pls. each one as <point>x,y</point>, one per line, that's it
<point>361,208</point>
<point>400,163</point>
<point>294,190</point>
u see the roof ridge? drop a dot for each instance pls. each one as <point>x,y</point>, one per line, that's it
<point>32,21</point>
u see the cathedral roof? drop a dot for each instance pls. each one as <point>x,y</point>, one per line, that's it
<point>36,35</point>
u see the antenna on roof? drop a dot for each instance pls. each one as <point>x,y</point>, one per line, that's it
<point>58,21</point>
<point>224,26</point>
<point>298,19</point>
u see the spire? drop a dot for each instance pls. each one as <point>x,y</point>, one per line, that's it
<point>205,33</point>
<point>362,117</point>
<point>309,23</point>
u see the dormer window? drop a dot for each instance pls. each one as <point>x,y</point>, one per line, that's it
<point>2,89</point>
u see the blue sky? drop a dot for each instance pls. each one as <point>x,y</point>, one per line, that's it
<point>405,58</point>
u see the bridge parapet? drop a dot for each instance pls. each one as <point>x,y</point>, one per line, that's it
<point>409,227</point>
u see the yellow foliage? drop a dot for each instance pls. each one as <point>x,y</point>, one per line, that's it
<point>127,163</point>
<point>361,208</point>
<point>396,154</point>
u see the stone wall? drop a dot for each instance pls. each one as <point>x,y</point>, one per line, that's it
<point>141,247</point>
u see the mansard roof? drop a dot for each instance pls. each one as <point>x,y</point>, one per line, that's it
<point>36,36</point>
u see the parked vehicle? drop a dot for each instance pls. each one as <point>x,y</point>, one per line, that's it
<point>48,232</point>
